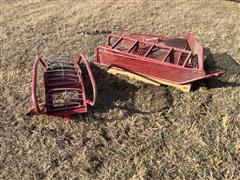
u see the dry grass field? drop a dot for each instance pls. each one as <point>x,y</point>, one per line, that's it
<point>136,131</point>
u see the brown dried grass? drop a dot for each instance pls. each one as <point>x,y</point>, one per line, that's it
<point>136,131</point>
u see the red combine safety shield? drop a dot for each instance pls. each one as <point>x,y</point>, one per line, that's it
<point>64,87</point>
<point>176,60</point>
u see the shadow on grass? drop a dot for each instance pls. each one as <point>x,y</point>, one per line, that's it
<point>218,61</point>
<point>112,92</point>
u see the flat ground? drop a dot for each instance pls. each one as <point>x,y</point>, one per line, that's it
<point>136,130</point>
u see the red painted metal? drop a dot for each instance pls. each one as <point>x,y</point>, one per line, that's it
<point>64,87</point>
<point>176,60</point>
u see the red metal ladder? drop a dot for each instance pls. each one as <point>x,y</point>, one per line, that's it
<point>170,50</point>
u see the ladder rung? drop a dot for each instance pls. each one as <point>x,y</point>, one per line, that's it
<point>166,56</point>
<point>149,50</point>
<point>60,70</point>
<point>179,57</point>
<point>61,80</point>
<point>78,92</point>
<point>186,60</point>
<point>62,84</point>
<point>61,75</point>
<point>133,46</point>
<point>63,89</point>
<point>116,43</point>
<point>61,67</point>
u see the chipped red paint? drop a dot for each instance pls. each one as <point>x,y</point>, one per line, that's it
<point>175,60</point>
<point>62,77</point>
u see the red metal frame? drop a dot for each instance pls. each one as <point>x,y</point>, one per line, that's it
<point>62,77</point>
<point>175,60</point>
